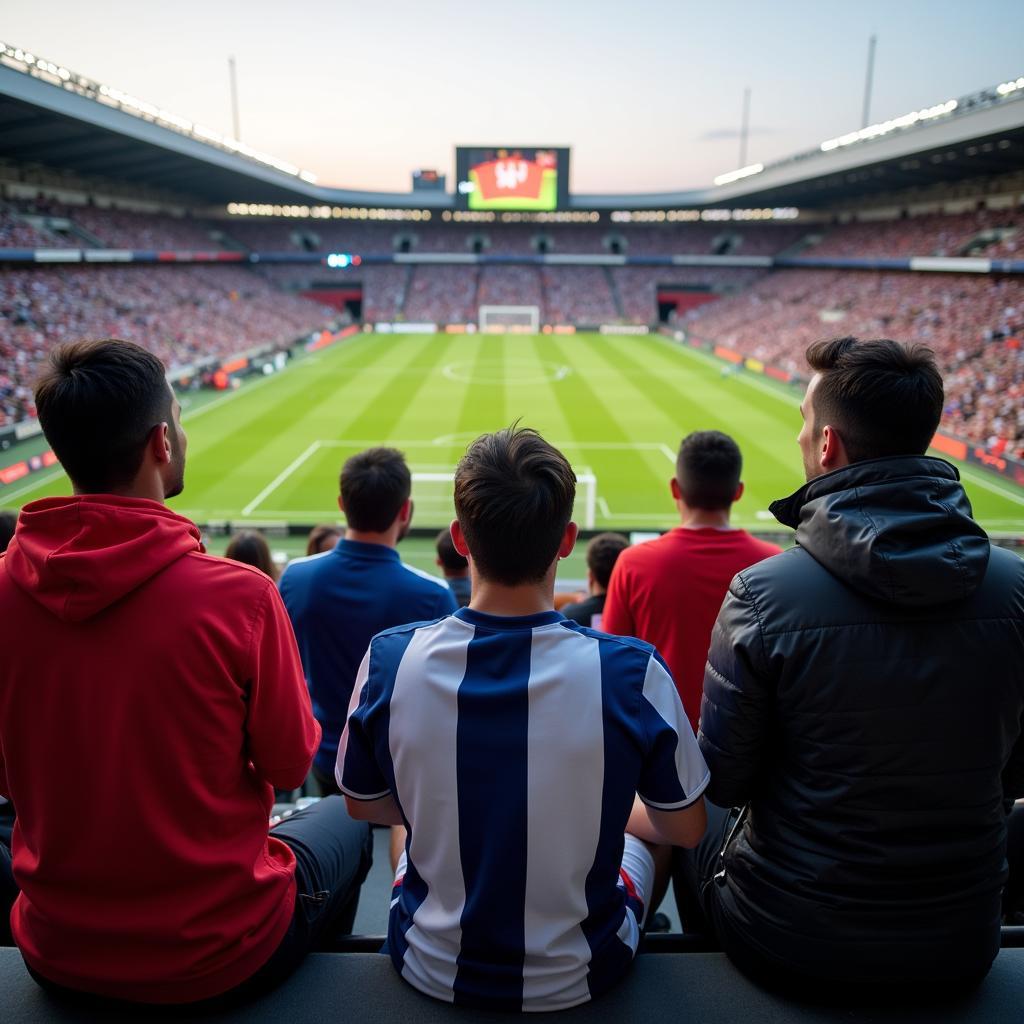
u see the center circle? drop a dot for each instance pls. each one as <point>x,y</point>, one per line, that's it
<point>497,371</point>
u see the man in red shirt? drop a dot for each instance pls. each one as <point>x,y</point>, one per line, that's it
<point>151,697</point>
<point>668,591</point>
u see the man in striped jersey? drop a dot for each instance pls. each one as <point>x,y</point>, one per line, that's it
<point>517,747</point>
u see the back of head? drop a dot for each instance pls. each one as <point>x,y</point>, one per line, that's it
<point>602,553</point>
<point>451,561</point>
<point>514,495</point>
<point>882,397</point>
<point>8,523</point>
<point>708,469</point>
<point>375,484</point>
<point>251,548</point>
<point>98,402</point>
<point>322,537</point>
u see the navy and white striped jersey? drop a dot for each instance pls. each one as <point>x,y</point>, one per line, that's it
<point>514,748</point>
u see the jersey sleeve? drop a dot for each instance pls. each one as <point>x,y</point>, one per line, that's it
<point>357,773</point>
<point>674,773</point>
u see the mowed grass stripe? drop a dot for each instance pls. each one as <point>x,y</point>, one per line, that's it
<point>578,400</point>
<point>687,388</point>
<point>275,426</point>
<point>381,405</point>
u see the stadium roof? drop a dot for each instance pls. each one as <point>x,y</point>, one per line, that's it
<point>56,118</point>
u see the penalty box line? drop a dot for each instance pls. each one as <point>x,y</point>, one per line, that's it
<point>333,443</point>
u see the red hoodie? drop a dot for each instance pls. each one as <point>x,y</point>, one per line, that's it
<point>150,698</point>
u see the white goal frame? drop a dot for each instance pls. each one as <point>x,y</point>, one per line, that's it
<point>509,319</point>
<point>586,489</point>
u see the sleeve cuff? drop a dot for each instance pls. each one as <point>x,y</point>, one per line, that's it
<point>681,804</point>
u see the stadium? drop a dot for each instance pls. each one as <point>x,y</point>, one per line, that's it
<point>301,324</point>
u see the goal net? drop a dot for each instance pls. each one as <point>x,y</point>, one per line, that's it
<point>510,319</point>
<point>433,495</point>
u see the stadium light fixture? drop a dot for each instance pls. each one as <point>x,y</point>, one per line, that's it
<point>55,74</point>
<point>744,172</point>
<point>874,131</point>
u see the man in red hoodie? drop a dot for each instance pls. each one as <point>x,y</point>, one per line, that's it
<point>151,698</point>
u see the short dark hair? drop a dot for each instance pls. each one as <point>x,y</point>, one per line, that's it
<point>602,553</point>
<point>322,534</point>
<point>514,495</point>
<point>450,558</point>
<point>251,548</point>
<point>708,469</point>
<point>8,524</point>
<point>98,402</point>
<point>884,398</point>
<point>375,484</point>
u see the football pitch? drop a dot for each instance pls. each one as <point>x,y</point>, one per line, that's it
<point>271,450</point>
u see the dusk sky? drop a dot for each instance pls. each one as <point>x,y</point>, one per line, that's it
<point>648,93</point>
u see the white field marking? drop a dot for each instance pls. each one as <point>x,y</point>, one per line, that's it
<point>280,479</point>
<point>583,446</point>
<point>763,514</point>
<point>668,453</point>
<point>981,479</point>
<point>37,482</point>
<point>603,503</point>
<point>494,373</point>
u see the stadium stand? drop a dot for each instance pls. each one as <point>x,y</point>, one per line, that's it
<point>578,295</point>
<point>927,235</point>
<point>964,318</point>
<point>442,294</point>
<point>183,314</point>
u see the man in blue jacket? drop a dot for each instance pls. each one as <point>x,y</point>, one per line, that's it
<point>863,705</point>
<point>340,598</point>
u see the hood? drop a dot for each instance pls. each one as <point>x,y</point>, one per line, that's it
<point>77,556</point>
<point>897,529</point>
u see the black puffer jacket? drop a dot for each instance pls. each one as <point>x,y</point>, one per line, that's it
<point>864,694</point>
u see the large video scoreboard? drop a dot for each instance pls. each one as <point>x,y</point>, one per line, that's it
<point>512,177</point>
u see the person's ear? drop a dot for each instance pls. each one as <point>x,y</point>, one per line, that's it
<point>341,505</point>
<point>833,450</point>
<point>674,486</point>
<point>739,492</point>
<point>458,539</point>
<point>568,540</point>
<point>160,443</point>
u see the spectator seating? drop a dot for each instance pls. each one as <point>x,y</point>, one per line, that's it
<point>964,318</point>
<point>183,314</point>
<point>363,988</point>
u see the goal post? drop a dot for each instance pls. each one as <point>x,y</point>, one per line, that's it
<point>509,319</point>
<point>433,494</point>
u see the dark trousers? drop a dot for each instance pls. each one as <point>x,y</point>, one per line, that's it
<point>333,853</point>
<point>326,781</point>
<point>693,871</point>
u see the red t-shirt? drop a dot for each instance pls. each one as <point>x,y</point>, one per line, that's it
<point>669,591</point>
<point>150,698</point>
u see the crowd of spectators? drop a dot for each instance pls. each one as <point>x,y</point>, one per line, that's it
<point>183,314</point>
<point>510,286</point>
<point>963,318</point>
<point>943,234</point>
<point>578,295</point>
<point>442,294</point>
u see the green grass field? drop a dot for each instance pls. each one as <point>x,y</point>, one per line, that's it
<point>617,407</point>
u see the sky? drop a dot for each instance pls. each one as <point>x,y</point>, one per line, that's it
<point>647,93</point>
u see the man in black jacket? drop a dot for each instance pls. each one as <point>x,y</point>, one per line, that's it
<point>863,704</point>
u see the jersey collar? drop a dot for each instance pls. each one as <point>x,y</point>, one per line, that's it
<point>507,622</point>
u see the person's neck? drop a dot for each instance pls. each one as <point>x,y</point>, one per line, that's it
<point>388,538</point>
<point>148,490</point>
<point>596,590</point>
<point>704,518</point>
<point>528,599</point>
<point>458,574</point>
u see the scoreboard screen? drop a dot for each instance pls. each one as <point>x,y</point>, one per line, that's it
<point>512,177</point>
